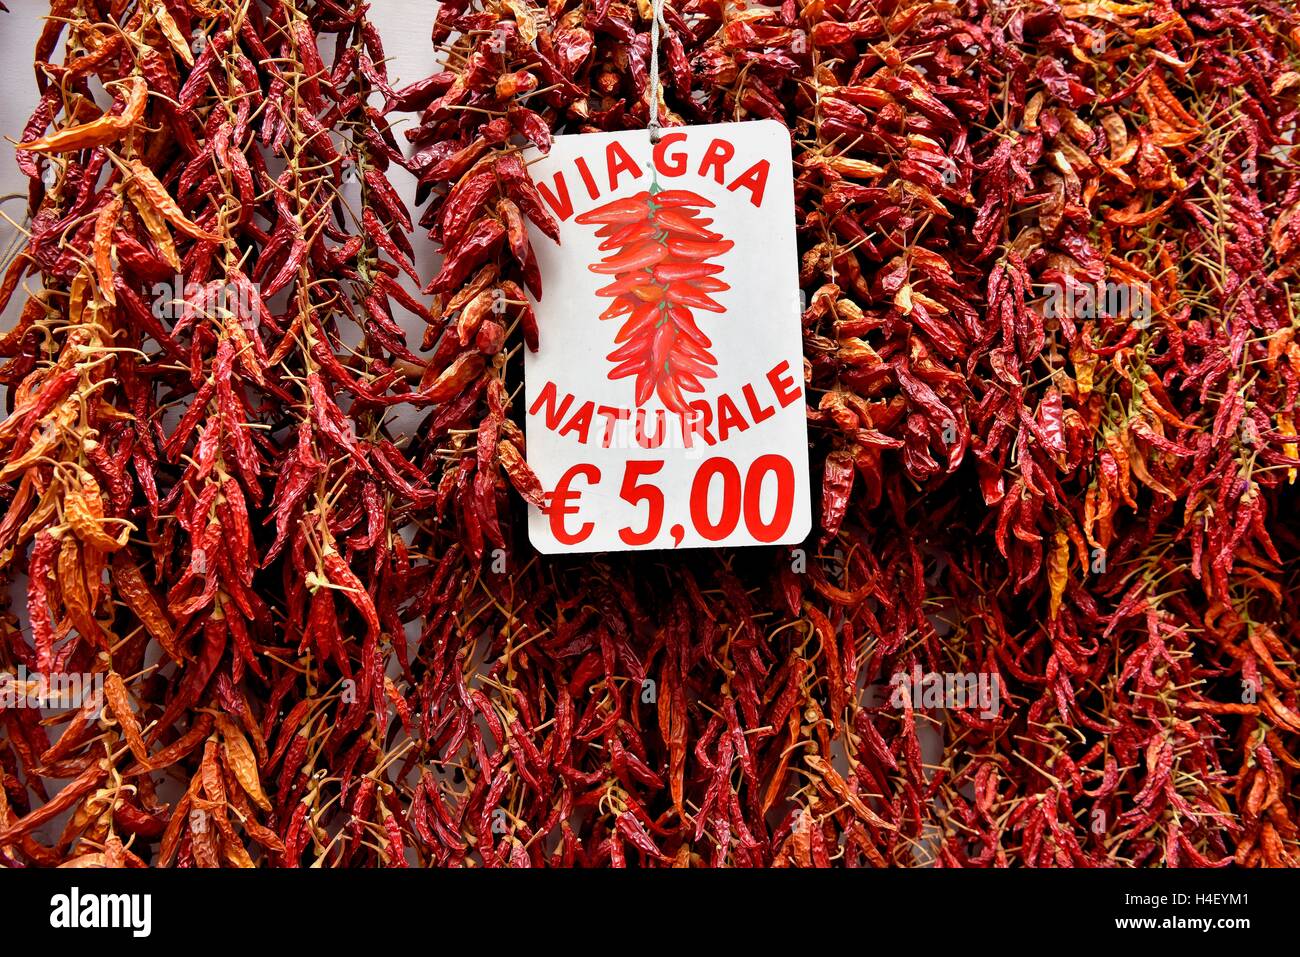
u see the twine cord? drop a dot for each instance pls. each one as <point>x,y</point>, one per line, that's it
<point>656,21</point>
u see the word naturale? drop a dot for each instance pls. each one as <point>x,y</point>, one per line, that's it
<point>708,422</point>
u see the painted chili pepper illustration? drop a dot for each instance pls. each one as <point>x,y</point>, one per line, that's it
<point>659,263</point>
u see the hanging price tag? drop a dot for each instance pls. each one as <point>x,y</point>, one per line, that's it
<point>666,405</point>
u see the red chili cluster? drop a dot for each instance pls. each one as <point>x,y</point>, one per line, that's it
<point>661,272</point>
<point>1049,616</point>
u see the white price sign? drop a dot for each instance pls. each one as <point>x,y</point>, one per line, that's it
<point>666,404</point>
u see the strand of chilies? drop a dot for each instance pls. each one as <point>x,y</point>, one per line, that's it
<point>1094,510</point>
<point>200,449</point>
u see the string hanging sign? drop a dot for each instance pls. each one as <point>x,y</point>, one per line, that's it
<point>666,404</point>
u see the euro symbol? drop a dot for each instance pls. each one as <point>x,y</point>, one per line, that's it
<point>559,505</point>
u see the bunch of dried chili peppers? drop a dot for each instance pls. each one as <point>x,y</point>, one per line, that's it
<point>1049,256</point>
